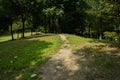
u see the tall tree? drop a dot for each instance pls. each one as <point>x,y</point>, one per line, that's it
<point>22,11</point>
<point>100,10</point>
<point>10,14</point>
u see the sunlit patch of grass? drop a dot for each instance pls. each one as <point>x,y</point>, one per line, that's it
<point>8,37</point>
<point>16,56</point>
<point>76,41</point>
<point>5,38</point>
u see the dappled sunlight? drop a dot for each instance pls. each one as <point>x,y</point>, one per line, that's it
<point>91,60</point>
<point>64,65</point>
<point>25,59</point>
<point>18,77</point>
<point>101,62</point>
<point>70,64</point>
<point>33,63</point>
<point>40,37</point>
<point>22,55</point>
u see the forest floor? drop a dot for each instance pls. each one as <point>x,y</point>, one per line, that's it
<point>91,61</point>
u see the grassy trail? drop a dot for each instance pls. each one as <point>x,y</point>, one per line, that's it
<point>98,60</point>
<point>78,59</point>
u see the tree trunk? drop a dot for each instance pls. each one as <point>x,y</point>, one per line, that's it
<point>11,32</point>
<point>31,32</point>
<point>100,35</point>
<point>23,26</point>
<point>49,25</point>
<point>23,35</point>
<point>100,29</point>
<point>46,25</point>
<point>89,31</point>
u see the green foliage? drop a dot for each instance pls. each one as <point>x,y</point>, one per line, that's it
<point>49,11</point>
<point>67,16</point>
<point>102,20</point>
<point>17,25</point>
<point>110,35</point>
<point>117,40</point>
<point>41,29</point>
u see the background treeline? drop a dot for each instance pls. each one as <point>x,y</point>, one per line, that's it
<point>89,18</point>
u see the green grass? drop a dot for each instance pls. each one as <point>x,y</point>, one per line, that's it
<point>8,37</point>
<point>76,41</point>
<point>100,57</point>
<point>20,57</point>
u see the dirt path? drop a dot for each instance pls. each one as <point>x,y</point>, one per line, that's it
<point>90,62</point>
<point>62,65</point>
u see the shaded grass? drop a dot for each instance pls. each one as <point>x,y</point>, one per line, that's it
<point>100,64</point>
<point>21,57</point>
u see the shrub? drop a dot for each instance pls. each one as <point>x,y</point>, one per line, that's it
<point>110,35</point>
<point>41,29</point>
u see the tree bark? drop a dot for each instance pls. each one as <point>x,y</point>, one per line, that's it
<point>11,32</point>
<point>100,29</point>
<point>89,31</point>
<point>23,27</point>
<point>45,22</point>
<point>49,25</point>
<point>100,35</point>
<point>31,32</point>
<point>23,35</point>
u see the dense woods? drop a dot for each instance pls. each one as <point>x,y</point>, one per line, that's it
<point>88,18</point>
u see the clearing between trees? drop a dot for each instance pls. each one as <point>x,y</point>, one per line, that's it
<point>74,58</point>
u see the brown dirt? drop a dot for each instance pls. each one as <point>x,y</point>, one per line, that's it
<point>61,65</point>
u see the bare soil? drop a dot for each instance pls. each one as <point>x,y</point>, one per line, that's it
<point>62,65</point>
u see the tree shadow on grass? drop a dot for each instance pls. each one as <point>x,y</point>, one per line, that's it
<point>42,35</point>
<point>28,37</point>
<point>111,43</point>
<point>22,56</point>
<point>99,64</point>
